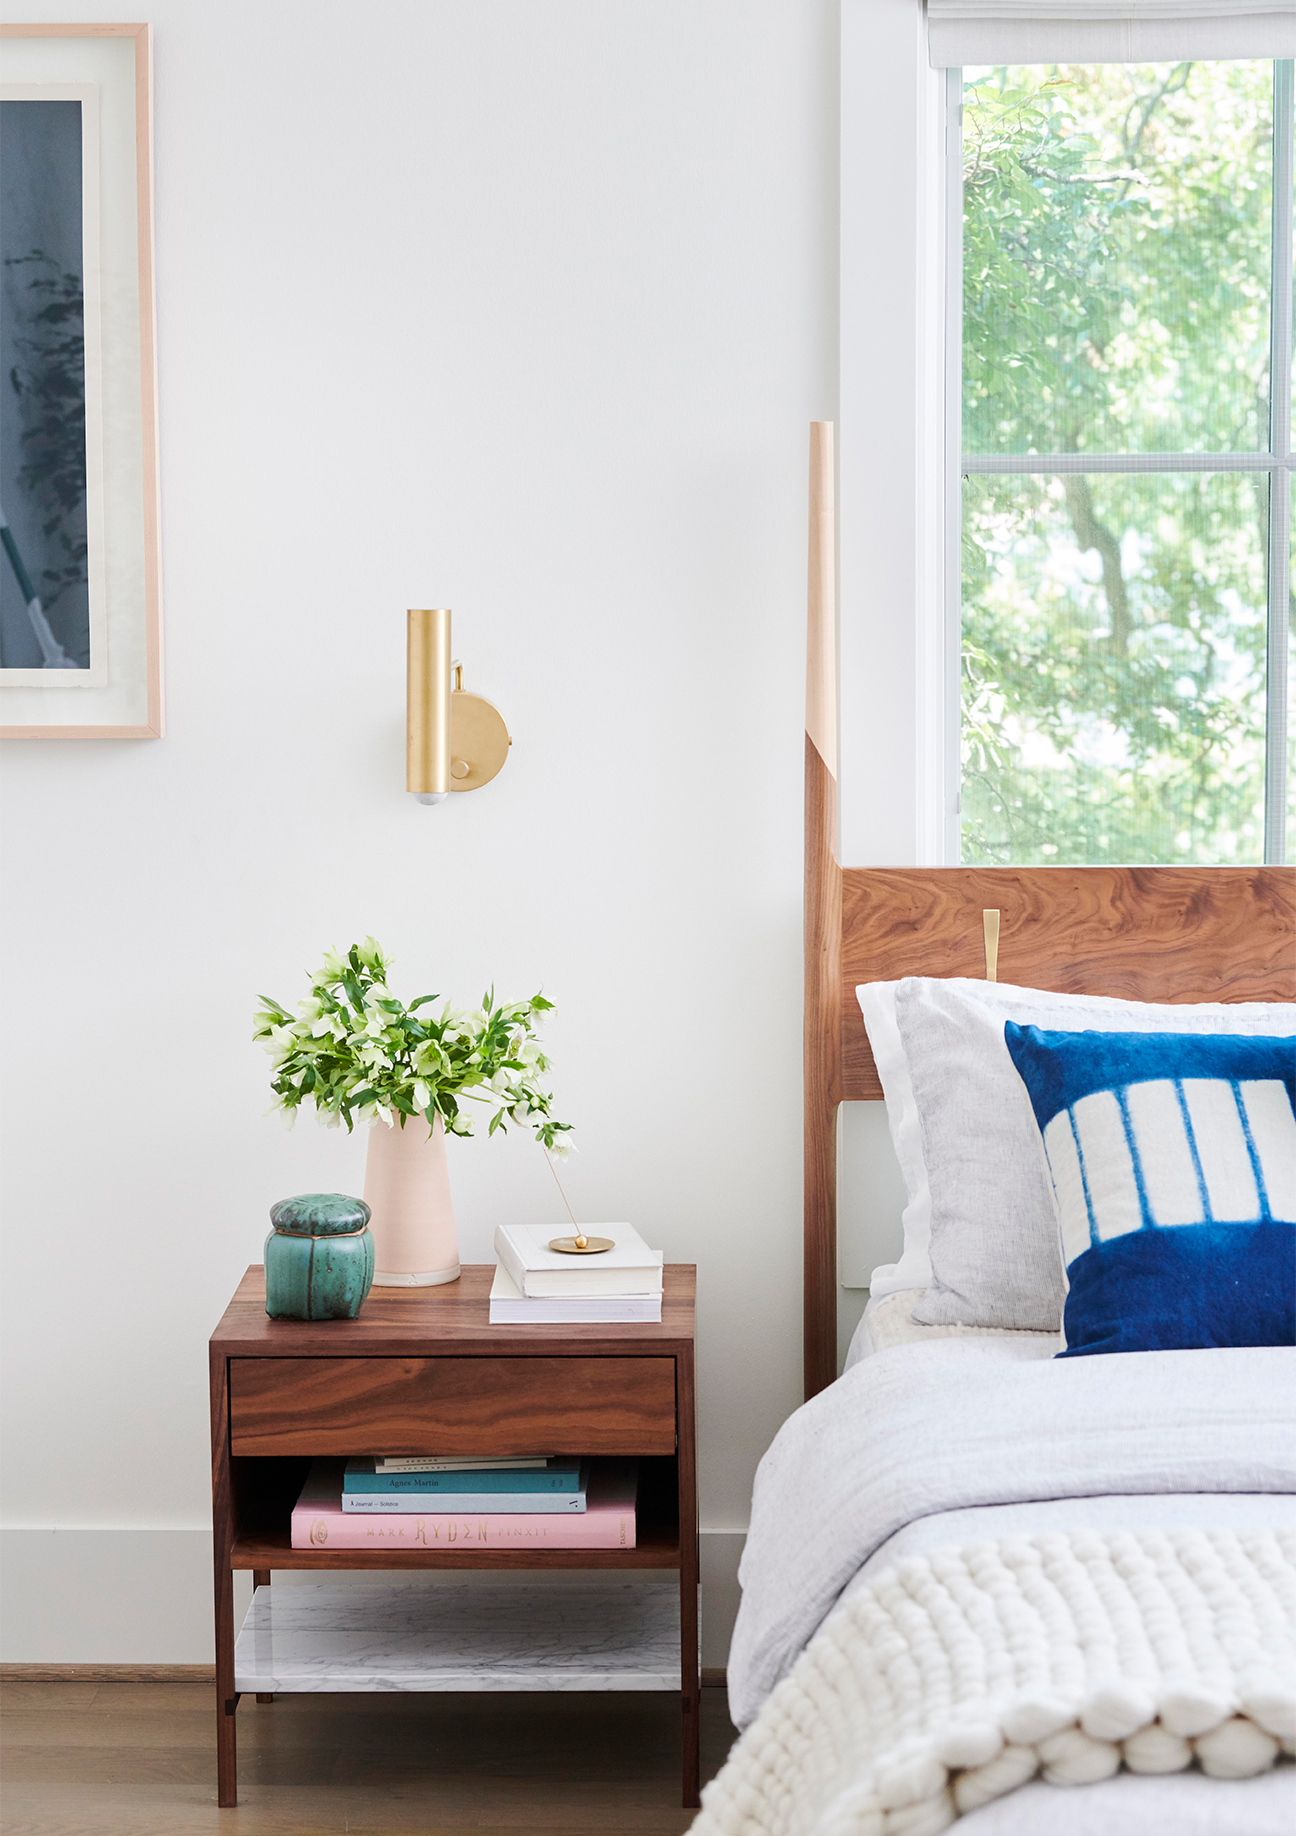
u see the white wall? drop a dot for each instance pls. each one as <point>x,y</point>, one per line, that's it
<point>520,308</point>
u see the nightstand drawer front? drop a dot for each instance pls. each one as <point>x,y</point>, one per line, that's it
<point>452,1405</point>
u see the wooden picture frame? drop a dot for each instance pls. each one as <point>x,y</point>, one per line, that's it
<point>116,692</point>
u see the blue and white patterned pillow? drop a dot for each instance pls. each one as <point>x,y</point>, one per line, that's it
<point>1173,1163</point>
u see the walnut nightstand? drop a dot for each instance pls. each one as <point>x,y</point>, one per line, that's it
<point>423,1371</point>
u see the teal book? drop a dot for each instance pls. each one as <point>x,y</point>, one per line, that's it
<point>558,1476</point>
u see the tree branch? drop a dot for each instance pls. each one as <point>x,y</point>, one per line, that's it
<point>1091,534</point>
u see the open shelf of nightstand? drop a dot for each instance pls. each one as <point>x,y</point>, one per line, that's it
<point>266,1489</point>
<point>321,1636</point>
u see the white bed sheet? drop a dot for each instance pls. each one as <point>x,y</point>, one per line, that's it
<point>888,1322</point>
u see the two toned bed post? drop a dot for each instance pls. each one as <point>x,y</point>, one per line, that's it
<point>823,925</point>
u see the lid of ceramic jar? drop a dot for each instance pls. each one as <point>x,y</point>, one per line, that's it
<point>319,1214</point>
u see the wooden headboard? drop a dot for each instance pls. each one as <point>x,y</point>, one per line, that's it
<point>1167,934</point>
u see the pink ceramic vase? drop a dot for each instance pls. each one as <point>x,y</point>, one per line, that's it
<point>407,1190</point>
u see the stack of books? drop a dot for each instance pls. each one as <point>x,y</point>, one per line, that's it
<point>536,1285</point>
<point>539,1501</point>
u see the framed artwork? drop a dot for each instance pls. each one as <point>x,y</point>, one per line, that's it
<point>80,602</point>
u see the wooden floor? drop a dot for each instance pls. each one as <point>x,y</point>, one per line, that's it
<point>137,1759</point>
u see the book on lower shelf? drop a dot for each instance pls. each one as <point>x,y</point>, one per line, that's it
<point>607,1522</point>
<point>368,1474</point>
<point>361,1493</point>
<point>510,1307</point>
<point>456,1463</point>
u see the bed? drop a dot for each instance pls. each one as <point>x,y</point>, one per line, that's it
<point>987,1585</point>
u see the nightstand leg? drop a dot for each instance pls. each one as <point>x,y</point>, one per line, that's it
<point>226,1697</point>
<point>690,1676</point>
<point>261,1578</point>
<point>690,1695</point>
<point>223,1577</point>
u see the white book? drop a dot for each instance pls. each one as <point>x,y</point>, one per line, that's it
<point>628,1268</point>
<point>427,1463</point>
<point>510,1307</point>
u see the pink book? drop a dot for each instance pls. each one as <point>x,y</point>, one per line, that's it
<point>608,1521</point>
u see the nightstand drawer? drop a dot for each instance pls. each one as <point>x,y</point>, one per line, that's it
<point>452,1405</point>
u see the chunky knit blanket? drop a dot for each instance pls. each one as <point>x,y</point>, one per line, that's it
<point>956,1676</point>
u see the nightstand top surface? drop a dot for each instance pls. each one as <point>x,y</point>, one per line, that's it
<point>452,1319</point>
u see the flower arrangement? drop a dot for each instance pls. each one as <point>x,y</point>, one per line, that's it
<point>355,1051</point>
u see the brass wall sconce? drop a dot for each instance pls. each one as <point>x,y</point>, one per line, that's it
<point>454,741</point>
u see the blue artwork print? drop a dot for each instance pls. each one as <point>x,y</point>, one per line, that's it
<point>44,569</point>
<point>1173,1160</point>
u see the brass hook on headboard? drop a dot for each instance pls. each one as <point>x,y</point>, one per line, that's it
<point>990,920</point>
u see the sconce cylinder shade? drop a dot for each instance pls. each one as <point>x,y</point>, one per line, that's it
<point>427,705</point>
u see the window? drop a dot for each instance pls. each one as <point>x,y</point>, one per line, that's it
<point>1126,477</point>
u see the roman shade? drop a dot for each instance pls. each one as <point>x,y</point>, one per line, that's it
<point>1107,31</point>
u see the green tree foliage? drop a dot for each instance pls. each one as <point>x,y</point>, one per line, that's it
<point>1116,300</point>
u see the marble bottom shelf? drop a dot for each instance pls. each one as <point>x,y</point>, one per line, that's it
<point>325,1635</point>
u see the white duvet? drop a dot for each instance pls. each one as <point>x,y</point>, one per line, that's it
<point>928,1452</point>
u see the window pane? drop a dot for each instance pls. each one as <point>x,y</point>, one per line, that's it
<point>1113,668</point>
<point>1116,258</point>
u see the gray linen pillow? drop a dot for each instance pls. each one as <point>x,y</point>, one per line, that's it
<point>995,1259</point>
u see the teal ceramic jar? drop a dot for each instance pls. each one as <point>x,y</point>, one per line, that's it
<point>319,1258</point>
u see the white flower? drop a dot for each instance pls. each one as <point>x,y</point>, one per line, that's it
<point>561,1151</point>
<point>279,1041</point>
<point>422,1096</point>
<point>335,964</point>
<point>373,954</point>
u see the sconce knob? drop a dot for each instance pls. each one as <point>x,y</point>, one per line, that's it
<point>460,768</point>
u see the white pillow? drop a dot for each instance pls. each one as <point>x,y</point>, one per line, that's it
<point>877,1003</point>
<point>979,1228</point>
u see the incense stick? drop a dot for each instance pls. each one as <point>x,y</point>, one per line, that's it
<point>557,1182</point>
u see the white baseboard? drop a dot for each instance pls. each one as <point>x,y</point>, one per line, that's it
<point>91,1596</point>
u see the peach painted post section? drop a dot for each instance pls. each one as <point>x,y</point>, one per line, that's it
<point>821,600</point>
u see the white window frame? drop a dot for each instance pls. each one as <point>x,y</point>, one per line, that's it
<point>1277,460</point>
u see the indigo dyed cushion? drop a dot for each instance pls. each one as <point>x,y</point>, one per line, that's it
<point>1172,1159</point>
